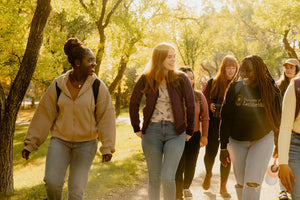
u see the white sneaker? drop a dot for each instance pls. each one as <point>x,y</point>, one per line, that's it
<point>187,193</point>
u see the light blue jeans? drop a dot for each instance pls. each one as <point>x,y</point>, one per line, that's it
<point>294,163</point>
<point>61,154</point>
<point>250,162</point>
<point>163,149</point>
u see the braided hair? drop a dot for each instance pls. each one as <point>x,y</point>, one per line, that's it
<point>268,90</point>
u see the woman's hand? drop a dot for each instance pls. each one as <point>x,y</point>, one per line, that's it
<point>285,174</point>
<point>139,134</point>
<point>212,107</point>
<point>187,137</point>
<point>203,141</point>
<point>106,157</point>
<point>224,157</point>
<point>25,154</point>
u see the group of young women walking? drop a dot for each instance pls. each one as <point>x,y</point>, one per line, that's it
<point>240,112</point>
<point>242,117</point>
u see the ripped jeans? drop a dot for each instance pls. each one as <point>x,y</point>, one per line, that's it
<point>250,161</point>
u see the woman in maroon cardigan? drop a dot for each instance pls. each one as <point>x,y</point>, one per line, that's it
<point>168,92</point>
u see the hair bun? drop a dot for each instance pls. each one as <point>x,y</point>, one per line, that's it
<point>70,44</point>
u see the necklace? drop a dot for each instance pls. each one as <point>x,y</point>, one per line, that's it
<point>74,83</point>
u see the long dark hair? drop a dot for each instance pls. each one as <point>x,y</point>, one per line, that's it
<point>268,90</point>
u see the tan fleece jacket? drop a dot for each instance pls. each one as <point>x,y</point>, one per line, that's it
<point>75,121</point>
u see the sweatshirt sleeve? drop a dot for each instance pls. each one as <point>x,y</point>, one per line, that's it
<point>42,120</point>
<point>204,116</point>
<point>134,104</point>
<point>287,123</point>
<point>106,120</point>
<point>227,116</point>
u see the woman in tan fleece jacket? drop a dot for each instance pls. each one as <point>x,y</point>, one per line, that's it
<point>76,119</point>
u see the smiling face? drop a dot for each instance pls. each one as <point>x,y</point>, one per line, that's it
<point>248,74</point>
<point>169,62</point>
<point>87,64</point>
<point>230,71</point>
<point>290,70</point>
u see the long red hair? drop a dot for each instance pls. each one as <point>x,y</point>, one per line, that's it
<point>220,82</point>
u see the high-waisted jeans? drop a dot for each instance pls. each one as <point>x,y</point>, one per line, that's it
<point>250,161</point>
<point>163,149</point>
<point>61,154</point>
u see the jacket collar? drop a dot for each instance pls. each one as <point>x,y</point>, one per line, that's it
<point>62,83</point>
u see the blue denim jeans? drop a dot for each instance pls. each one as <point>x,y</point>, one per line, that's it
<point>250,161</point>
<point>61,154</point>
<point>163,149</point>
<point>294,163</point>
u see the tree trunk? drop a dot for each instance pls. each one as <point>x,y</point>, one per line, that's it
<point>118,101</point>
<point>11,105</point>
<point>121,70</point>
<point>123,64</point>
<point>290,51</point>
<point>100,51</point>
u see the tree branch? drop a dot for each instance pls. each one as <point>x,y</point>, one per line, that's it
<point>83,5</point>
<point>290,51</point>
<point>99,23</point>
<point>111,12</point>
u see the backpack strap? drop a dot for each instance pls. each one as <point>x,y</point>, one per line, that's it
<point>297,93</point>
<point>58,91</point>
<point>96,86</point>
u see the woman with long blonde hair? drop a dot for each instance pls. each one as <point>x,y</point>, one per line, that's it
<point>165,128</point>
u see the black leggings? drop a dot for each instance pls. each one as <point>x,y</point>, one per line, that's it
<point>187,165</point>
<point>212,148</point>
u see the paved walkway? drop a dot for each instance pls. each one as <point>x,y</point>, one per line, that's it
<point>139,192</point>
<point>267,192</point>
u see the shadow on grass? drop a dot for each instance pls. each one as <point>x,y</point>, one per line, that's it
<point>20,132</point>
<point>33,193</point>
<point>120,177</point>
<point>37,192</point>
<point>110,180</point>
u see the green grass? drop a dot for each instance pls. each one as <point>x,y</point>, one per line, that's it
<point>126,168</point>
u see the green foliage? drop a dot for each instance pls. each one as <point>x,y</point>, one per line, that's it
<point>202,32</point>
<point>14,28</point>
